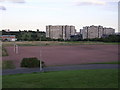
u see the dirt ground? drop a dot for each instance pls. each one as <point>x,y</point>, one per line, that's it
<point>65,55</point>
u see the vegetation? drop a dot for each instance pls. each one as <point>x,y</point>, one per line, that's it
<point>54,43</point>
<point>41,36</point>
<point>33,43</point>
<point>4,52</point>
<point>109,38</point>
<point>76,37</point>
<point>31,62</point>
<point>99,78</point>
<point>8,64</point>
<point>27,35</point>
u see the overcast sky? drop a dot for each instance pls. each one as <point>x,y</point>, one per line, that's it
<point>36,14</point>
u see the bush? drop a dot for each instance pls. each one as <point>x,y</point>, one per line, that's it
<point>31,62</point>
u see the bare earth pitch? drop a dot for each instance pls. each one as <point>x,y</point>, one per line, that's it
<point>65,55</point>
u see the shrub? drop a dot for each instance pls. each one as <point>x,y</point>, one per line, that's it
<point>31,62</point>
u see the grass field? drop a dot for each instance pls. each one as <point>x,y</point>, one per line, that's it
<point>33,43</point>
<point>102,78</point>
<point>114,62</point>
<point>47,43</point>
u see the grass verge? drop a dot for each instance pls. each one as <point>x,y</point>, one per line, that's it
<point>53,43</point>
<point>114,62</point>
<point>8,65</point>
<point>102,78</point>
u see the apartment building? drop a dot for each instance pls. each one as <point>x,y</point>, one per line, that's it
<point>60,31</point>
<point>95,31</point>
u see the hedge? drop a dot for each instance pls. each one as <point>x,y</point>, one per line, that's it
<point>31,62</point>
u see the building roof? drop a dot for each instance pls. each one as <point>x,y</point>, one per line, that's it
<point>7,35</point>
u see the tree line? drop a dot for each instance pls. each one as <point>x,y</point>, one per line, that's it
<point>41,36</point>
<point>27,35</point>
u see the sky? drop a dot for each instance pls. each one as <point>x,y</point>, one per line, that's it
<point>36,14</point>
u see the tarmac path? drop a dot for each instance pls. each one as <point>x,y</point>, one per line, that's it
<point>60,68</point>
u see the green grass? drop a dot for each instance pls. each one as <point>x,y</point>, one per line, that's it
<point>8,64</point>
<point>100,78</point>
<point>92,42</point>
<point>114,62</point>
<point>53,43</point>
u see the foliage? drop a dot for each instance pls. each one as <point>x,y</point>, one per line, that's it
<point>112,38</point>
<point>31,62</point>
<point>76,37</point>
<point>109,38</point>
<point>41,36</point>
<point>59,39</point>
<point>27,35</point>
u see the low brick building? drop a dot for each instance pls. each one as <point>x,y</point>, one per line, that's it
<point>8,38</point>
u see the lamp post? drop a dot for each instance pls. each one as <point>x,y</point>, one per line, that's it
<point>40,55</point>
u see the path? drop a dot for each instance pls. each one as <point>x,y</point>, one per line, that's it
<point>61,68</point>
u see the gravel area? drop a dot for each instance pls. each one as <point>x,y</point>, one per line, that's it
<point>65,55</point>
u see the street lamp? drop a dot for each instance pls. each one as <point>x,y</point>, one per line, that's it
<point>40,54</point>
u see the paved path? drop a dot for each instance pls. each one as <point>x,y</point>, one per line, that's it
<point>60,68</point>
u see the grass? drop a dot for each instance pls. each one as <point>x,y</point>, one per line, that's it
<point>114,62</point>
<point>49,43</point>
<point>8,64</point>
<point>92,42</point>
<point>100,78</point>
<point>32,43</point>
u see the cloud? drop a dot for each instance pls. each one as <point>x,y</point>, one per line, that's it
<point>17,1</point>
<point>2,8</point>
<point>37,7</point>
<point>1,0</point>
<point>89,2</point>
<point>13,1</point>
